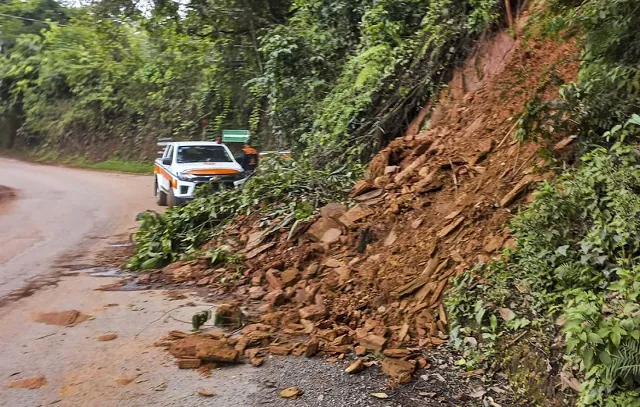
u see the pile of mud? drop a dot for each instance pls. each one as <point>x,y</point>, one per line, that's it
<point>371,278</point>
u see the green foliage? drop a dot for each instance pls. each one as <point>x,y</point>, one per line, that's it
<point>577,259</point>
<point>342,83</point>
<point>279,187</point>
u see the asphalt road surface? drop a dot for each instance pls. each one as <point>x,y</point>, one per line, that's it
<point>58,212</point>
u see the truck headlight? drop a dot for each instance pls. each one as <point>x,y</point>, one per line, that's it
<point>182,176</point>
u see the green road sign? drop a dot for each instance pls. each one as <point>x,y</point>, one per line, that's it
<point>235,136</point>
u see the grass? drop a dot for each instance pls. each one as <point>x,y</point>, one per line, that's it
<point>121,166</point>
<point>113,164</point>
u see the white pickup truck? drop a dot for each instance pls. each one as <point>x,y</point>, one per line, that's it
<point>188,164</point>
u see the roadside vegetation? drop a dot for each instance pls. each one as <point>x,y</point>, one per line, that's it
<point>562,305</point>
<point>337,80</point>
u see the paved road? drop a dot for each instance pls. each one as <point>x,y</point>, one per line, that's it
<point>59,211</point>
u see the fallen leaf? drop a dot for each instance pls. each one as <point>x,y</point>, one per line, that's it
<point>291,393</point>
<point>380,395</point>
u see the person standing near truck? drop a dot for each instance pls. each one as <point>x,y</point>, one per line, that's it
<point>249,160</point>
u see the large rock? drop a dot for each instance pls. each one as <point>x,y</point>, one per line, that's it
<point>331,236</point>
<point>358,212</point>
<point>398,369</point>
<point>317,231</point>
<point>289,277</point>
<point>313,312</point>
<point>333,210</point>
<point>211,350</point>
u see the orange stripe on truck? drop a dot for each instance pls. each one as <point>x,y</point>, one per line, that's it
<point>166,175</point>
<point>212,172</point>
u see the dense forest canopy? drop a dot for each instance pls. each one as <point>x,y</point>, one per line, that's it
<point>329,77</point>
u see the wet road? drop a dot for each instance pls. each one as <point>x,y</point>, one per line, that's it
<point>60,211</point>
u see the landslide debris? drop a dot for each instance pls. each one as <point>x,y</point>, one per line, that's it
<point>370,278</point>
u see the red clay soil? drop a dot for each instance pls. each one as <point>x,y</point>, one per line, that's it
<point>6,194</point>
<point>62,318</point>
<point>432,206</point>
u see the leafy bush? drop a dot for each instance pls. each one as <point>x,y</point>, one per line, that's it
<point>280,186</point>
<point>577,260</point>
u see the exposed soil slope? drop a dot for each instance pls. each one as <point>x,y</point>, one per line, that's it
<point>433,205</point>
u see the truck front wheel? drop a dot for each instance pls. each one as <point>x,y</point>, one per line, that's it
<point>161,197</point>
<point>171,200</point>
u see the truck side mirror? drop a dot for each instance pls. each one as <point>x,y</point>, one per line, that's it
<point>166,161</point>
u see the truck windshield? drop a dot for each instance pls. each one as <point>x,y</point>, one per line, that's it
<point>202,154</point>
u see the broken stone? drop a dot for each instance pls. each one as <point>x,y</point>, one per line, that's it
<point>391,238</point>
<point>256,293</point>
<point>272,278</point>
<point>275,298</point>
<point>289,277</point>
<point>212,350</point>
<point>254,240</point>
<point>361,187</point>
<point>331,236</point>
<point>107,337</point>
<point>310,271</point>
<point>407,172</point>
<point>493,243</point>
<point>333,263</point>
<point>313,312</point>
<point>391,169</point>
<point>398,369</point>
<point>312,347</point>
<point>333,210</point>
<point>320,227</point>
<point>358,212</point>
<point>371,341</point>
<point>279,350</point>
<point>355,367</point>
<point>256,361</point>
<point>374,194</point>
<point>450,228</point>
<point>188,363</point>
<point>361,350</point>
<point>517,190</point>
<point>396,353</point>
<point>253,253</point>
<point>205,393</point>
<point>344,274</point>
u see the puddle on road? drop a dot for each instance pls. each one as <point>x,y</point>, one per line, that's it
<point>114,245</point>
<point>107,272</point>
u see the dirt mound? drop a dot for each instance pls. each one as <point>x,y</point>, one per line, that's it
<point>371,278</point>
<point>62,318</point>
